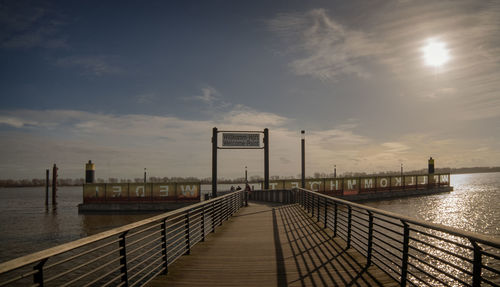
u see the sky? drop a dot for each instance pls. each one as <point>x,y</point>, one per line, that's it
<point>140,84</point>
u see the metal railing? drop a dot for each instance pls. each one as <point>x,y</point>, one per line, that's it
<point>130,255</point>
<point>413,252</point>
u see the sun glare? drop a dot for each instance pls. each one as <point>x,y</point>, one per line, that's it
<point>435,53</point>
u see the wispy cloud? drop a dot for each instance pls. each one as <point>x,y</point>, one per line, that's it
<point>146,98</point>
<point>171,146</point>
<point>329,48</point>
<point>92,65</point>
<point>30,26</point>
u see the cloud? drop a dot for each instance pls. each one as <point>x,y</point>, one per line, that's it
<point>328,49</point>
<point>29,26</point>
<point>146,98</point>
<point>93,65</point>
<point>209,95</point>
<point>122,145</point>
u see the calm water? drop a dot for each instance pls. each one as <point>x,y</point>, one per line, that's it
<point>474,205</point>
<point>26,226</point>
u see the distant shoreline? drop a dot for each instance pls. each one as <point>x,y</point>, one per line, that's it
<point>5,183</point>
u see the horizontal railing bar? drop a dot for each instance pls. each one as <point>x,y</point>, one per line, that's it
<point>443,250</point>
<point>397,224</point>
<point>19,277</point>
<point>170,247</point>
<point>136,232</point>
<point>395,256</point>
<point>489,282</point>
<point>494,256</point>
<point>490,269</point>
<point>175,230</point>
<point>149,273</point>
<point>85,274</point>
<point>375,224</point>
<point>392,241</point>
<point>489,240</point>
<point>442,260</point>
<point>83,264</point>
<point>384,263</point>
<point>103,276</point>
<point>437,270</point>
<point>442,239</point>
<point>138,264</point>
<point>426,273</point>
<point>50,252</point>
<point>114,279</point>
<point>48,266</point>
<point>143,253</point>
<point>132,243</point>
<point>396,240</point>
<point>417,278</point>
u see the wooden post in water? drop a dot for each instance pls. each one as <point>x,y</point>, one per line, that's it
<point>54,184</point>
<point>46,187</point>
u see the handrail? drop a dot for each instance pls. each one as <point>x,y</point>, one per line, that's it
<point>416,252</point>
<point>493,241</point>
<point>202,216</point>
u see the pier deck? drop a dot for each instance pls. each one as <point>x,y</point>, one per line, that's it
<point>268,244</point>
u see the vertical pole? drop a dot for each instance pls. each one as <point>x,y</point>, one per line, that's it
<point>214,162</point>
<point>187,227</point>
<point>326,213</point>
<point>266,158</point>
<point>370,239</point>
<point>203,224</point>
<point>47,178</point>
<point>335,220</point>
<point>164,251</point>
<point>38,276</point>
<point>54,184</point>
<point>349,226</point>
<point>303,159</point>
<point>318,208</point>
<point>213,217</point>
<point>476,269</point>
<point>123,259</point>
<point>406,245</point>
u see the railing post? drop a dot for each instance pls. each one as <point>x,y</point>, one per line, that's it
<point>164,251</point>
<point>213,216</point>
<point>404,261</point>
<point>203,224</point>
<point>38,276</point>
<point>370,239</point>
<point>349,225</point>
<point>317,208</point>
<point>476,269</point>
<point>246,198</point>
<point>186,226</point>
<point>325,221</point>
<point>335,220</point>
<point>123,258</point>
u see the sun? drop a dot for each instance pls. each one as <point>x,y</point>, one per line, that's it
<point>435,53</point>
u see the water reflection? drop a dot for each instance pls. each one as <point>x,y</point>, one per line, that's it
<point>474,205</point>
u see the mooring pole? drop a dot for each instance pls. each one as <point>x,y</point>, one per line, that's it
<point>54,184</point>
<point>266,158</point>
<point>214,162</point>
<point>47,187</point>
<point>303,153</point>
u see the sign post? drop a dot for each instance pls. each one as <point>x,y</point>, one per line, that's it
<point>239,140</point>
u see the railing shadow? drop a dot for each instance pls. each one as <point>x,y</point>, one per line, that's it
<point>318,259</point>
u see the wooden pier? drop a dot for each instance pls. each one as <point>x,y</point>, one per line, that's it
<point>266,244</point>
<point>291,237</point>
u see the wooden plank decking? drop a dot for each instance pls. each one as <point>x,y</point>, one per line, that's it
<point>272,245</point>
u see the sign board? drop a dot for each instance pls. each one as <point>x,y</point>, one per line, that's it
<point>241,139</point>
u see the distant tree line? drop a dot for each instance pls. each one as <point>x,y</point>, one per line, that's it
<point>253,178</point>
